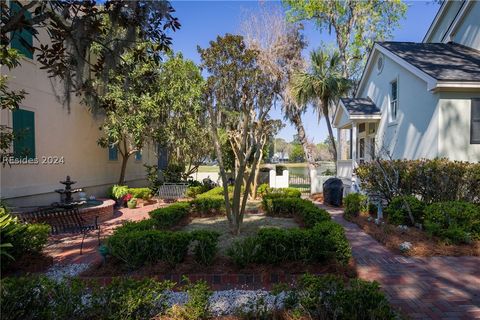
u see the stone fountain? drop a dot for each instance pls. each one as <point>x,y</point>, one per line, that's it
<point>66,199</point>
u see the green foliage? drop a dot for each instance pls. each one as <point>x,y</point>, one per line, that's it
<point>194,191</point>
<point>18,239</point>
<point>437,180</point>
<point>173,173</point>
<point>170,216</point>
<point>454,221</point>
<point>117,192</point>
<point>354,204</point>
<point>142,247</point>
<point>396,212</point>
<point>326,241</point>
<point>140,193</point>
<point>205,246</point>
<point>263,189</point>
<point>275,205</point>
<point>152,177</point>
<point>297,154</point>
<point>329,297</point>
<point>197,306</point>
<point>142,225</point>
<point>210,202</point>
<point>41,298</point>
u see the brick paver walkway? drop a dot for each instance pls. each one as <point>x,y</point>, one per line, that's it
<point>423,287</point>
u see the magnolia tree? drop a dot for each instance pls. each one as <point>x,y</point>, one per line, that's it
<point>129,100</point>
<point>238,98</point>
<point>183,127</point>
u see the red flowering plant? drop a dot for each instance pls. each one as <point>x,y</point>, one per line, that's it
<point>127,198</point>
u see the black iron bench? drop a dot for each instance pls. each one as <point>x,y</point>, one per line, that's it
<point>62,221</point>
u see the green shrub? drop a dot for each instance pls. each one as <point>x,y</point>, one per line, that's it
<point>436,180</point>
<point>324,242</point>
<point>244,252</point>
<point>205,246</point>
<point>354,204</point>
<point>118,192</point>
<point>140,193</point>
<point>310,214</point>
<point>197,305</point>
<point>454,221</point>
<point>131,226</point>
<point>329,297</point>
<point>141,247</point>
<point>41,298</point>
<point>194,191</point>
<point>170,216</point>
<point>279,192</point>
<point>396,212</point>
<point>263,189</point>
<point>17,239</point>
<point>209,204</point>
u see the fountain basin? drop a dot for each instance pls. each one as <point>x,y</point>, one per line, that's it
<point>103,208</point>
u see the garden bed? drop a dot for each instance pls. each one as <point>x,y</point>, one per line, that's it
<point>423,245</point>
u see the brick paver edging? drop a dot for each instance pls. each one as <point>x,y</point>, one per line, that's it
<point>421,287</point>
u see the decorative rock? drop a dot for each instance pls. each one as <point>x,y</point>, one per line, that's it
<point>369,219</point>
<point>405,246</point>
<point>59,272</point>
<point>403,228</point>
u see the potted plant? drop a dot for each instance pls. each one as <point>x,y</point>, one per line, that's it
<point>126,198</point>
<point>132,203</point>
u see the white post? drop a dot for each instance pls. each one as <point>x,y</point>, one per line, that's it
<point>273,178</point>
<point>353,145</point>
<point>340,145</point>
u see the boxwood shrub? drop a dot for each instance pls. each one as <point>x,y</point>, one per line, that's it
<point>205,245</point>
<point>454,221</point>
<point>294,207</point>
<point>140,193</point>
<point>397,213</point>
<point>325,241</point>
<point>170,216</point>
<point>138,248</point>
<point>354,204</point>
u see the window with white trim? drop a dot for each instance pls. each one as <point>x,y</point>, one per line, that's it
<point>393,100</point>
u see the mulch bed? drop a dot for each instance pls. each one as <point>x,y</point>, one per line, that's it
<point>423,245</point>
<point>221,266</point>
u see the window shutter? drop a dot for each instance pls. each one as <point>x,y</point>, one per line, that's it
<point>22,40</point>
<point>475,121</point>
<point>112,153</point>
<point>24,132</point>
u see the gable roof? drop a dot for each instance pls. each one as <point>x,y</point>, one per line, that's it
<point>360,106</point>
<point>442,61</point>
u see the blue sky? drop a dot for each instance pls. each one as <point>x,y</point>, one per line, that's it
<point>202,21</point>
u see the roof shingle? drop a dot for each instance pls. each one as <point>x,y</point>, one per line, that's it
<point>360,106</point>
<point>442,61</point>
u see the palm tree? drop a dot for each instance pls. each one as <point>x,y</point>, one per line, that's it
<point>321,85</point>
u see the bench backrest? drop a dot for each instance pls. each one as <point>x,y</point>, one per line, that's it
<point>172,190</point>
<point>61,220</point>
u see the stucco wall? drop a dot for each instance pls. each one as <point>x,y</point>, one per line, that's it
<point>415,132</point>
<point>468,31</point>
<point>72,134</point>
<point>455,123</point>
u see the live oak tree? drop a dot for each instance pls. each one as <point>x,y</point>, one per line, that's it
<point>130,104</point>
<point>238,98</point>
<point>182,127</point>
<point>356,25</point>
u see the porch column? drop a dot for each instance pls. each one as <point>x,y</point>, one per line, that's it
<point>339,144</point>
<point>353,143</point>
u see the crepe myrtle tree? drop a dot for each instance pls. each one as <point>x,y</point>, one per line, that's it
<point>238,97</point>
<point>130,104</point>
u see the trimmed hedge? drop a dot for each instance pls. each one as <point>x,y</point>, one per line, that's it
<point>266,191</point>
<point>170,216</point>
<point>324,242</point>
<point>138,248</point>
<point>292,207</point>
<point>210,202</point>
<point>397,213</point>
<point>205,246</point>
<point>454,221</point>
<point>194,191</point>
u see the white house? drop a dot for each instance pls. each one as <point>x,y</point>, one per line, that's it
<point>417,100</point>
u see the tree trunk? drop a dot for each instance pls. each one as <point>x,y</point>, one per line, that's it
<point>326,115</point>
<point>121,180</point>
<point>297,120</point>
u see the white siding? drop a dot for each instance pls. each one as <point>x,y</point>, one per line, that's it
<point>467,31</point>
<point>455,124</point>
<point>415,132</point>
<point>440,29</point>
